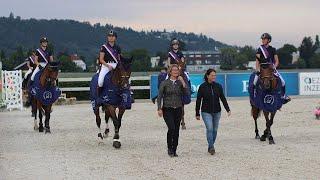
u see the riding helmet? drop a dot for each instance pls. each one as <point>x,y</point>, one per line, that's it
<point>44,39</point>
<point>174,41</point>
<point>266,36</point>
<point>112,33</point>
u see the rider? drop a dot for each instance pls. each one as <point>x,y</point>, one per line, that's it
<point>31,65</point>
<point>175,55</point>
<point>109,57</point>
<point>268,54</point>
<point>42,56</point>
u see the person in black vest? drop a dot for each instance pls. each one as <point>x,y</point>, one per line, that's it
<point>42,57</point>
<point>109,56</point>
<point>209,95</point>
<point>268,54</point>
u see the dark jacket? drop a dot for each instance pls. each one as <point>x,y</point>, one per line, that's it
<point>210,94</point>
<point>171,93</point>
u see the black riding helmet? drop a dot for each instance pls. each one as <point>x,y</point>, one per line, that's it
<point>44,39</point>
<point>112,33</point>
<point>266,36</point>
<point>175,41</point>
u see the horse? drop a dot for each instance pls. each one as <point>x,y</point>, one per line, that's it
<point>47,81</point>
<point>120,80</point>
<point>268,82</point>
<point>25,87</point>
<point>182,66</point>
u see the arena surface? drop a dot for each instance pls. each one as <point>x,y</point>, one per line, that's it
<point>72,150</point>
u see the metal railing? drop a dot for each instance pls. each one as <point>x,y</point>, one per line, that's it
<point>87,79</point>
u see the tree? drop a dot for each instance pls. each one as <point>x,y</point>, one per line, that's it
<point>301,63</point>
<point>66,65</point>
<point>315,61</point>
<point>228,58</point>
<point>285,55</point>
<point>307,50</point>
<point>163,57</point>
<point>317,43</point>
<point>141,60</point>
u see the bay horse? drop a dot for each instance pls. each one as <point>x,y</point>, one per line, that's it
<point>48,79</point>
<point>120,77</point>
<point>268,82</point>
<point>182,66</point>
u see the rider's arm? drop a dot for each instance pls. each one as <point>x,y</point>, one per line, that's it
<point>51,58</point>
<point>28,64</point>
<point>102,61</point>
<point>168,62</point>
<point>36,60</point>
<point>276,59</point>
<point>257,62</point>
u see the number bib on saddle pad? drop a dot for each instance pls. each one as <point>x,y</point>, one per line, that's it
<point>46,95</point>
<point>266,100</point>
<point>110,94</point>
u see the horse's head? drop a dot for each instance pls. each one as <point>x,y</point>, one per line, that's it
<point>50,74</point>
<point>182,66</point>
<point>267,76</point>
<point>122,72</point>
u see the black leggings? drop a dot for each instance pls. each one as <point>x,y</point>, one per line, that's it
<point>172,117</point>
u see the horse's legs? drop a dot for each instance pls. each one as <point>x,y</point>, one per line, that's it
<point>40,118</point>
<point>255,114</point>
<point>183,124</point>
<point>271,141</point>
<point>34,113</point>
<point>47,110</point>
<point>107,116</point>
<point>98,121</point>
<point>120,115</point>
<point>116,137</point>
<point>266,131</point>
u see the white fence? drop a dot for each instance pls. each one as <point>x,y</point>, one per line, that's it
<point>11,89</point>
<point>88,79</point>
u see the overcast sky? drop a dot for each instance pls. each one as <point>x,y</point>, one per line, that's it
<point>236,22</point>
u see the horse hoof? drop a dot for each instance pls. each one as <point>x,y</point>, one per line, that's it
<point>106,133</point>
<point>263,138</point>
<point>271,142</point>
<point>257,137</point>
<point>100,136</point>
<point>41,129</point>
<point>116,144</point>
<point>35,127</point>
<point>47,131</point>
<point>183,127</point>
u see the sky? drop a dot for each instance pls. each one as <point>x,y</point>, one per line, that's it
<point>237,22</point>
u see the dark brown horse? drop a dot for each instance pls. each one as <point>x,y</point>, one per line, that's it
<point>182,66</point>
<point>48,78</point>
<point>120,78</point>
<point>268,82</point>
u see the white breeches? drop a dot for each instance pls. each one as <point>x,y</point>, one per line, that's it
<point>27,73</point>
<point>103,71</point>
<point>42,64</point>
